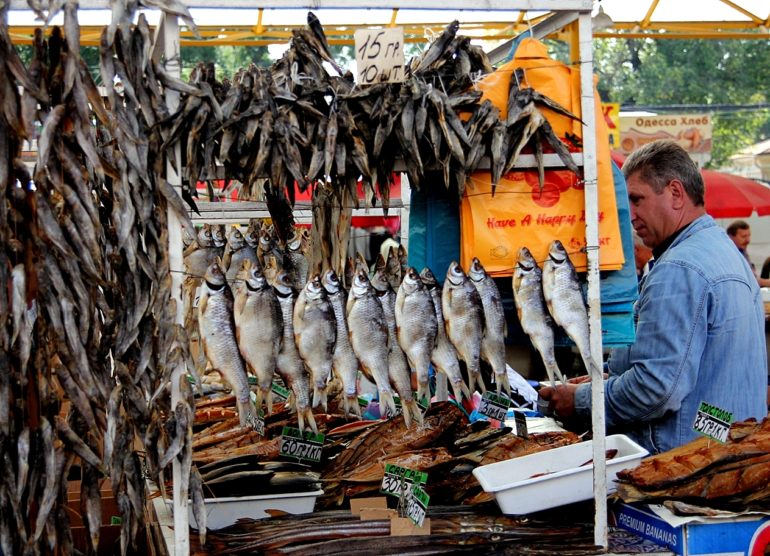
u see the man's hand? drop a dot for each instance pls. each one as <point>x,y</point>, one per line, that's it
<point>561,398</point>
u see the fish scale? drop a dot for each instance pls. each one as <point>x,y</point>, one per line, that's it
<point>217,333</point>
<point>464,321</point>
<point>444,356</point>
<point>564,298</point>
<point>493,341</point>
<point>289,365</point>
<point>344,361</point>
<point>533,313</point>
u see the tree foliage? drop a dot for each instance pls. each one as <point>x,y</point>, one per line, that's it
<point>710,72</point>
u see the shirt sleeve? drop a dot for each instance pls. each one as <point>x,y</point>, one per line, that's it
<point>661,367</point>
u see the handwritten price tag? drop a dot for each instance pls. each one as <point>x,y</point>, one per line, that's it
<point>713,422</point>
<point>494,406</point>
<point>398,480</point>
<point>417,505</point>
<point>257,422</point>
<point>380,55</point>
<point>295,444</point>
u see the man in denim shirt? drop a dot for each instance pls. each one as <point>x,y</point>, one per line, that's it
<point>700,318</point>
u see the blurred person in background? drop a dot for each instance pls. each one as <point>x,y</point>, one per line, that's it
<point>740,232</point>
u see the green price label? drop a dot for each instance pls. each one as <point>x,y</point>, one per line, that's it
<point>280,392</point>
<point>417,505</point>
<point>302,446</point>
<point>398,480</point>
<point>712,422</point>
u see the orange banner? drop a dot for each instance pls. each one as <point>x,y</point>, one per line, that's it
<point>494,228</point>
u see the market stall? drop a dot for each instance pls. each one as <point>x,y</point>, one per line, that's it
<point>122,353</point>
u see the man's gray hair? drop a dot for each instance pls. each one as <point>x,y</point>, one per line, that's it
<point>659,162</point>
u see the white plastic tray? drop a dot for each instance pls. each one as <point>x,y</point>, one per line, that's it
<point>222,512</point>
<point>562,477</point>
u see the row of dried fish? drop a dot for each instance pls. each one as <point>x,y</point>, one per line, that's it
<point>733,475</point>
<point>88,316</point>
<point>548,297</point>
<point>306,337</point>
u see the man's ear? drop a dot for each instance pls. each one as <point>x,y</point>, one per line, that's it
<point>678,194</point>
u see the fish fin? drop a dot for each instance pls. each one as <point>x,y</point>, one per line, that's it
<point>413,410</point>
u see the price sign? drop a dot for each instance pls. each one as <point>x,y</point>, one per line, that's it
<point>494,406</point>
<point>521,424</point>
<point>398,480</point>
<point>257,422</point>
<point>713,422</point>
<point>380,55</point>
<point>417,505</point>
<point>281,393</point>
<point>302,446</point>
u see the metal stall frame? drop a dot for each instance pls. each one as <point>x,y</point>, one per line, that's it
<point>565,13</point>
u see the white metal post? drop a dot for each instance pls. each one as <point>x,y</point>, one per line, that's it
<point>594,298</point>
<point>172,64</point>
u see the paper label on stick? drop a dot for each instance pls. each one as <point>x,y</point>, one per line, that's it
<point>712,422</point>
<point>494,406</point>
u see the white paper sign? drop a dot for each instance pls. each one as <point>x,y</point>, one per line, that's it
<point>380,55</point>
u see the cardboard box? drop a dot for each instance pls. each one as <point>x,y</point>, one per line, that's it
<point>747,535</point>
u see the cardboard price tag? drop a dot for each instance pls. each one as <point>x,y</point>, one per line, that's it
<point>257,422</point>
<point>398,480</point>
<point>494,406</point>
<point>712,422</point>
<point>380,55</point>
<point>417,505</point>
<point>521,424</point>
<point>302,446</point>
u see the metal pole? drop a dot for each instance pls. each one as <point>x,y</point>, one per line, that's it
<point>170,30</point>
<point>594,298</point>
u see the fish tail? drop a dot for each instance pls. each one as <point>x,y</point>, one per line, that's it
<point>245,409</point>
<point>387,402</point>
<point>351,405</point>
<point>423,391</point>
<point>501,381</point>
<point>461,389</point>
<point>303,414</point>
<point>268,394</point>
<point>319,397</point>
<point>474,377</point>
<point>411,408</point>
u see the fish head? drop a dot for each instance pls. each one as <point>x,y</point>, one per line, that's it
<point>361,262</point>
<point>402,254</point>
<point>314,289</point>
<point>412,281</point>
<point>255,278</point>
<point>525,260</point>
<point>557,253</point>
<point>361,283</point>
<point>455,275</point>
<point>236,240</point>
<point>428,278</point>
<point>477,272</point>
<point>252,238</point>
<point>219,236</point>
<point>294,242</point>
<point>283,284</point>
<point>205,236</point>
<point>214,276</point>
<point>380,277</point>
<point>331,282</point>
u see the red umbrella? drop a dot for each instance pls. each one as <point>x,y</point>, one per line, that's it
<point>728,195</point>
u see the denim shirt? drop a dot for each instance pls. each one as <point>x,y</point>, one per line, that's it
<point>699,338</point>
